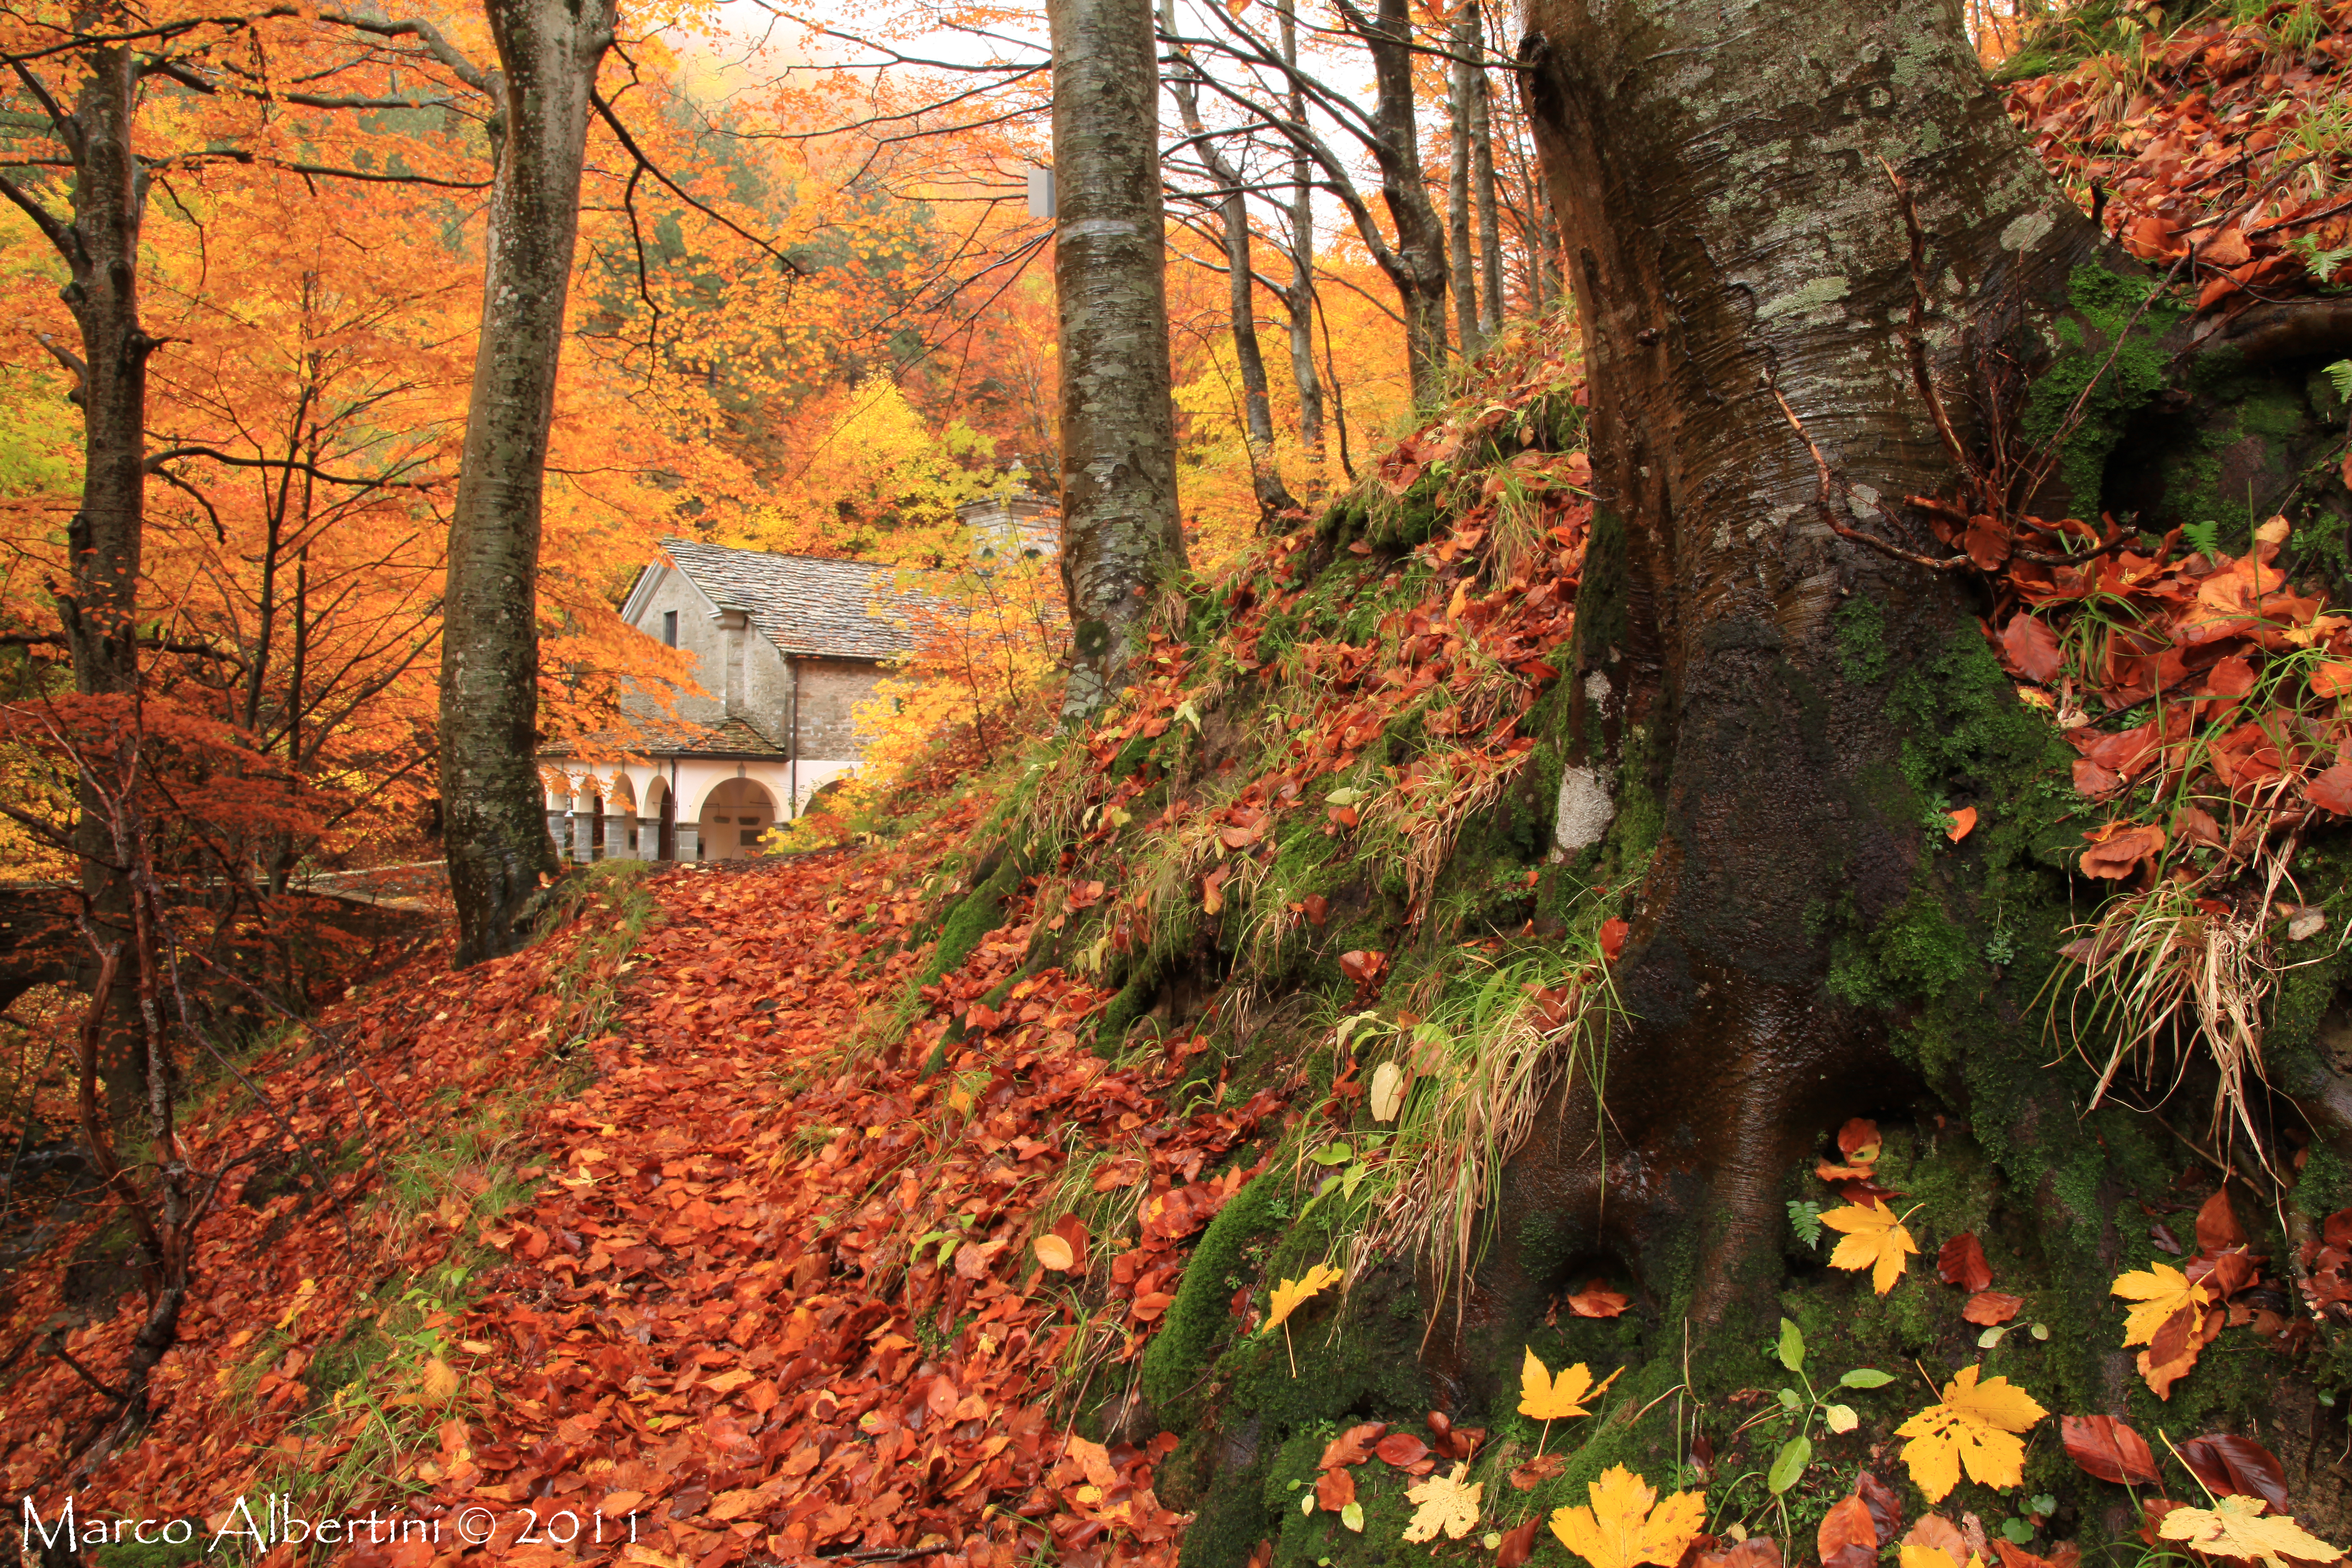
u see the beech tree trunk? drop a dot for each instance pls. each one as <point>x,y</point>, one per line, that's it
<point>1462,261</point>
<point>1482,179</point>
<point>496,829</point>
<point>1735,243</point>
<point>98,604</point>
<point>1298,295</point>
<point>1241,291</point>
<point>1120,533</point>
<point>1416,264</point>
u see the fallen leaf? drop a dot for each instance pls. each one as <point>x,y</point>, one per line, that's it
<point>1621,1528</point>
<point>1597,1300</point>
<point>1547,1398</point>
<point>440,1379</point>
<point>2236,1527</point>
<point>1400,1449</point>
<point>2162,1292</point>
<point>1974,1426</point>
<point>1847,1523</point>
<point>1988,1307</point>
<point>1289,1295</point>
<point>2117,850</point>
<point>2218,1229</point>
<point>1334,1489</point>
<point>2107,1449</point>
<point>1386,1092</point>
<point>1537,1470</point>
<point>1961,1262</point>
<point>1964,822</point>
<point>1518,1544</point>
<point>1872,1239</point>
<point>1859,1142</point>
<point>1352,1447</point>
<point>1444,1503</point>
<point>1886,1508</point>
<point>1053,1253</point>
<point>1613,939</point>
<point>2228,1465</point>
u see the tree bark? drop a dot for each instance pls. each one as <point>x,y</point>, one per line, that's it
<point>97,606</point>
<point>1741,265</point>
<point>1298,295</point>
<point>1240,292</point>
<point>1482,180</point>
<point>1120,533</point>
<point>1416,264</point>
<point>495,829</point>
<point>1462,259</point>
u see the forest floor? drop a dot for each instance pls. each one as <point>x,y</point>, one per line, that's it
<point>852,1207</point>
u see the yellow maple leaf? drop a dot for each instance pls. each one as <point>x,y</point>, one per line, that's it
<point>1292,1294</point>
<point>2234,1527</point>
<point>1974,1426</point>
<point>1621,1529</point>
<point>1914,1555</point>
<point>2161,1292</point>
<point>1447,1504</point>
<point>1550,1398</point>
<point>1874,1239</point>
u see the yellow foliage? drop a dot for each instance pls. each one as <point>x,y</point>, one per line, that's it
<point>1974,1426</point>
<point>1621,1529</point>
<point>1547,1398</point>
<point>1291,1294</point>
<point>2161,1292</point>
<point>2237,1527</point>
<point>1445,1503</point>
<point>1874,1239</point>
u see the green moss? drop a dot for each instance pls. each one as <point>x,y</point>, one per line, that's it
<point>2121,365</point>
<point>1915,952</point>
<point>1200,1318</point>
<point>1860,629</point>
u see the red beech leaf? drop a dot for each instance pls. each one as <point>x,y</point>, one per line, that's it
<point>1847,1523</point>
<point>1988,1307</point>
<point>1518,1544</point>
<point>1352,1447</point>
<point>1962,1263</point>
<point>2237,1464</point>
<point>2218,1229</point>
<point>2107,1449</point>
<point>1401,1449</point>
<point>1886,1508</point>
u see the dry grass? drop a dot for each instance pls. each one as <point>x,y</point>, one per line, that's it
<point>2172,970</point>
<point>1481,1071</point>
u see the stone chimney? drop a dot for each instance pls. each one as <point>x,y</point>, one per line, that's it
<point>734,628</point>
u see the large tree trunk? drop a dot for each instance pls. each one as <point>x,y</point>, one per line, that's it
<point>495,829</point>
<point>1735,244</point>
<point>1120,534</point>
<point>98,607</point>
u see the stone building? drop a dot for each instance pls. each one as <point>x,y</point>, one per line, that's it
<point>785,647</point>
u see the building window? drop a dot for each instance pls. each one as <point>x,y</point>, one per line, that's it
<point>669,629</point>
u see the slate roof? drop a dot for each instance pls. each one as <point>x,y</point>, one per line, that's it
<point>805,605</point>
<point>672,737</point>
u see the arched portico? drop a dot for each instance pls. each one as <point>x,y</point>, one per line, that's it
<point>734,814</point>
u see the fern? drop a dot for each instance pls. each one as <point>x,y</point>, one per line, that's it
<point>1805,1219</point>
<point>2205,538</point>
<point>2340,375</point>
